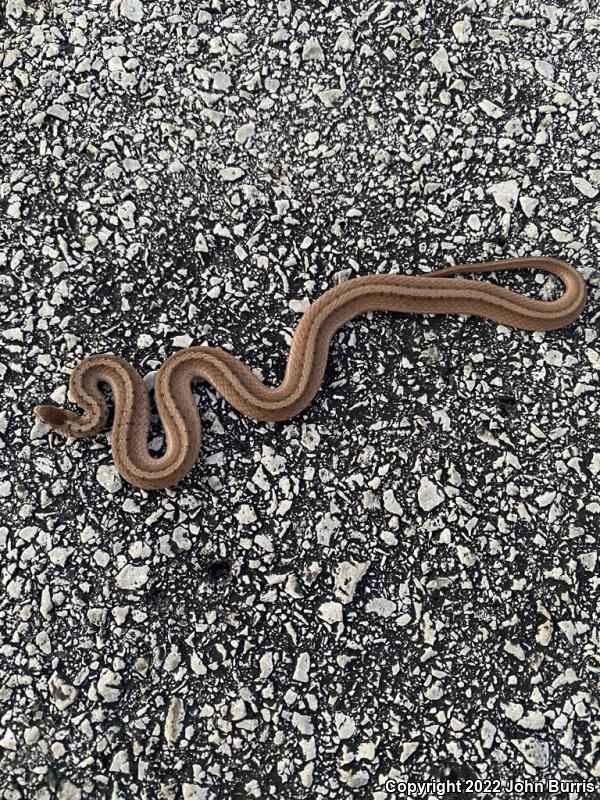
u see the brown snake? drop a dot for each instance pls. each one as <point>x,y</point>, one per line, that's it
<point>433,293</point>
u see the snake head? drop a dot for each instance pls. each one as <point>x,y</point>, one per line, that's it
<point>59,419</point>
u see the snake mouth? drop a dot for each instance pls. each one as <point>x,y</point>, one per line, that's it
<point>51,415</point>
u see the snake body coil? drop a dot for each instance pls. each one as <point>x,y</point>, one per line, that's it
<point>433,293</point>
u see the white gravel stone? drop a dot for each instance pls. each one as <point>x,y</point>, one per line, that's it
<point>302,668</point>
<point>68,791</point>
<point>347,578</point>
<point>390,503</point>
<point>193,791</point>
<point>585,187</point>
<point>312,50</point>
<point>231,174</point>
<point>132,577</point>
<point>561,235</point>
<point>429,495</point>
<point>515,650</point>
<point>325,528</point>
<point>108,477</point>
<point>488,733</point>
<point>462,30</point>
<point>544,68</point>
<point>330,97</point>
<point>535,751</point>
<point>266,665</point>
<point>245,515</point>
<point>505,194</point>
<point>381,606</point>
<point>407,749</point>
<point>491,109</point>
<point>185,340</point>
<point>331,612</point>
<point>144,340</point>
<point>62,693</point>
<point>303,723</point>
<point>200,244</point>
<point>59,111</point>
<point>109,683</point>
<point>533,721</point>
<point>120,762</point>
<point>245,132</point>
<point>174,720</point>
<point>440,60</point>
<point>528,204</point>
<point>221,81</point>
<point>8,740</point>
<point>345,726</point>
<point>345,42</point>
<point>132,9</point>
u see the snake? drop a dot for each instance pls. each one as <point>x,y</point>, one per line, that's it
<point>436,292</point>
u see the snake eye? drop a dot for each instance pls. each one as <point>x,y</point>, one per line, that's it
<point>51,415</point>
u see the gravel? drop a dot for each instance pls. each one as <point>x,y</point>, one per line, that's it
<point>402,581</point>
